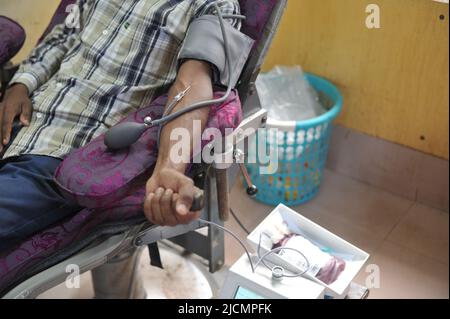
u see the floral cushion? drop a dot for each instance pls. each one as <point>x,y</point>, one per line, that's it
<point>95,177</point>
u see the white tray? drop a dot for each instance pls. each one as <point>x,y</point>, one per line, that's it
<point>302,225</point>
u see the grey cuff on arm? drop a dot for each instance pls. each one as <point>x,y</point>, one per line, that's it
<point>204,41</point>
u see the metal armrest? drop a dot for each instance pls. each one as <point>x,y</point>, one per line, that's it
<point>94,256</point>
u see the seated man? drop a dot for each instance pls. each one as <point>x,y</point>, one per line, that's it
<point>79,82</point>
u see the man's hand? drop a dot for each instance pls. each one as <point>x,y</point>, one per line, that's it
<point>169,196</point>
<point>16,103</point>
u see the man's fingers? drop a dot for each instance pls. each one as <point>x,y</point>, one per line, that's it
<point>166,200</point>
<point>148,206</point>
<point>172,199</point>
<point>186,193</point>
<point>25,116</point>
<point>156,207</point>
<point>170,217</point>
<point>182,219</point>
<point>7,121</point>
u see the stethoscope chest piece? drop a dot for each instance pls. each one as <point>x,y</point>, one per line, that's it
<point>277,273</point>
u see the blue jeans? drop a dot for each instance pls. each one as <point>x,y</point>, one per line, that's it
<point>29,198</point>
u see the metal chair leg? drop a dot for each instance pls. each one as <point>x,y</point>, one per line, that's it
<point>118,278</point>
<point>216,237</point>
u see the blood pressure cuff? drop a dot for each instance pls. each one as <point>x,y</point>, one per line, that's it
<point>204,41</point>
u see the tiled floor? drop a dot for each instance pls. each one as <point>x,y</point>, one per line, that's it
<point>408,242</point>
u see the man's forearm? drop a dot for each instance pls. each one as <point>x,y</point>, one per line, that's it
<point>197,75</point>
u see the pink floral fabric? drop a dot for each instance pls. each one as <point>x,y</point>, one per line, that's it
<point>93,176</point>
<point>115,188</point>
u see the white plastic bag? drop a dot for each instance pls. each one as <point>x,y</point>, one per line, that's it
<point>287,96</point>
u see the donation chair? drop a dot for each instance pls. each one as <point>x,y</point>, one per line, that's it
<point>12,38</point>
<point>107,243</point>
